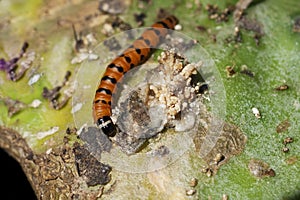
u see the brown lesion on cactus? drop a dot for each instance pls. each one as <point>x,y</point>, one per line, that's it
<point>64,172</point>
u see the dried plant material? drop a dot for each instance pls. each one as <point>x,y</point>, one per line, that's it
<point>230,71</point>
<point>282,87</point>
<point>167,98</point>
<point>242,21</point>
<point>216,14</point>
<point>246,71</point>
<point>291,160</point>
<point>283,126</point>
<point>11,66</point>
<point>53,95</point>
<point>260,169</point>
<point>230,143</point>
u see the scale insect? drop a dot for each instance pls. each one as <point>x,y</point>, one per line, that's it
<point>134,55</point>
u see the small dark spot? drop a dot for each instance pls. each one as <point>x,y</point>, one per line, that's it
<point>120,69</point>
<point>257,38</point>
<point>103,101</point>
<point>178,115</point>
<point>162,13</point>
<point>112,65</point>
<point>30,156</point>
<point>107,91</point>
<point>70,131</point>
<point>246,71</point>
<point>79,43</point>
<point>128,59</point>
<point>139,18</point>
<point>132,65</point>
<point>151,93</point>
<point>203,88</point>
<point>201,28</point>
<point>24,47</point>
<point>230,71</point>
<point>138,50</point>
<point>219,158</point>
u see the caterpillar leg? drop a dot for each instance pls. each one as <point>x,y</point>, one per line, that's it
<point>107,126</point>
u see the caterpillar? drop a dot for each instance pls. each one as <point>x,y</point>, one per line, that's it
<point>134,55</point>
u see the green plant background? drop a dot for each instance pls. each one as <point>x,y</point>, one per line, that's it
<point>274,62</point>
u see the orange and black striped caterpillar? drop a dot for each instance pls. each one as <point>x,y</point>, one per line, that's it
<point>134,55</point>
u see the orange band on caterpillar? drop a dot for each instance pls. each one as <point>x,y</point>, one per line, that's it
<point>133,56</point>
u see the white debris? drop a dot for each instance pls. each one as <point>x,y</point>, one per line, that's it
<point>86,87</point>
<point>107,29</point>
<point>84,56</point>
<point>256,113</point>
<point>79,131</point>
<point>186,123</point>
<point>49,151</point>
<point>178,27</point>
<point>171,86</point>
<point>26,134</point>
<point>35,103</point>
<point>93,56</point>
<point>41,135</point>
<point>76,107</point>
<point>34,79</point>
<point>91,38</point>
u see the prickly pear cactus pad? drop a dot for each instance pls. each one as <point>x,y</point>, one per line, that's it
<point>212,114</point>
